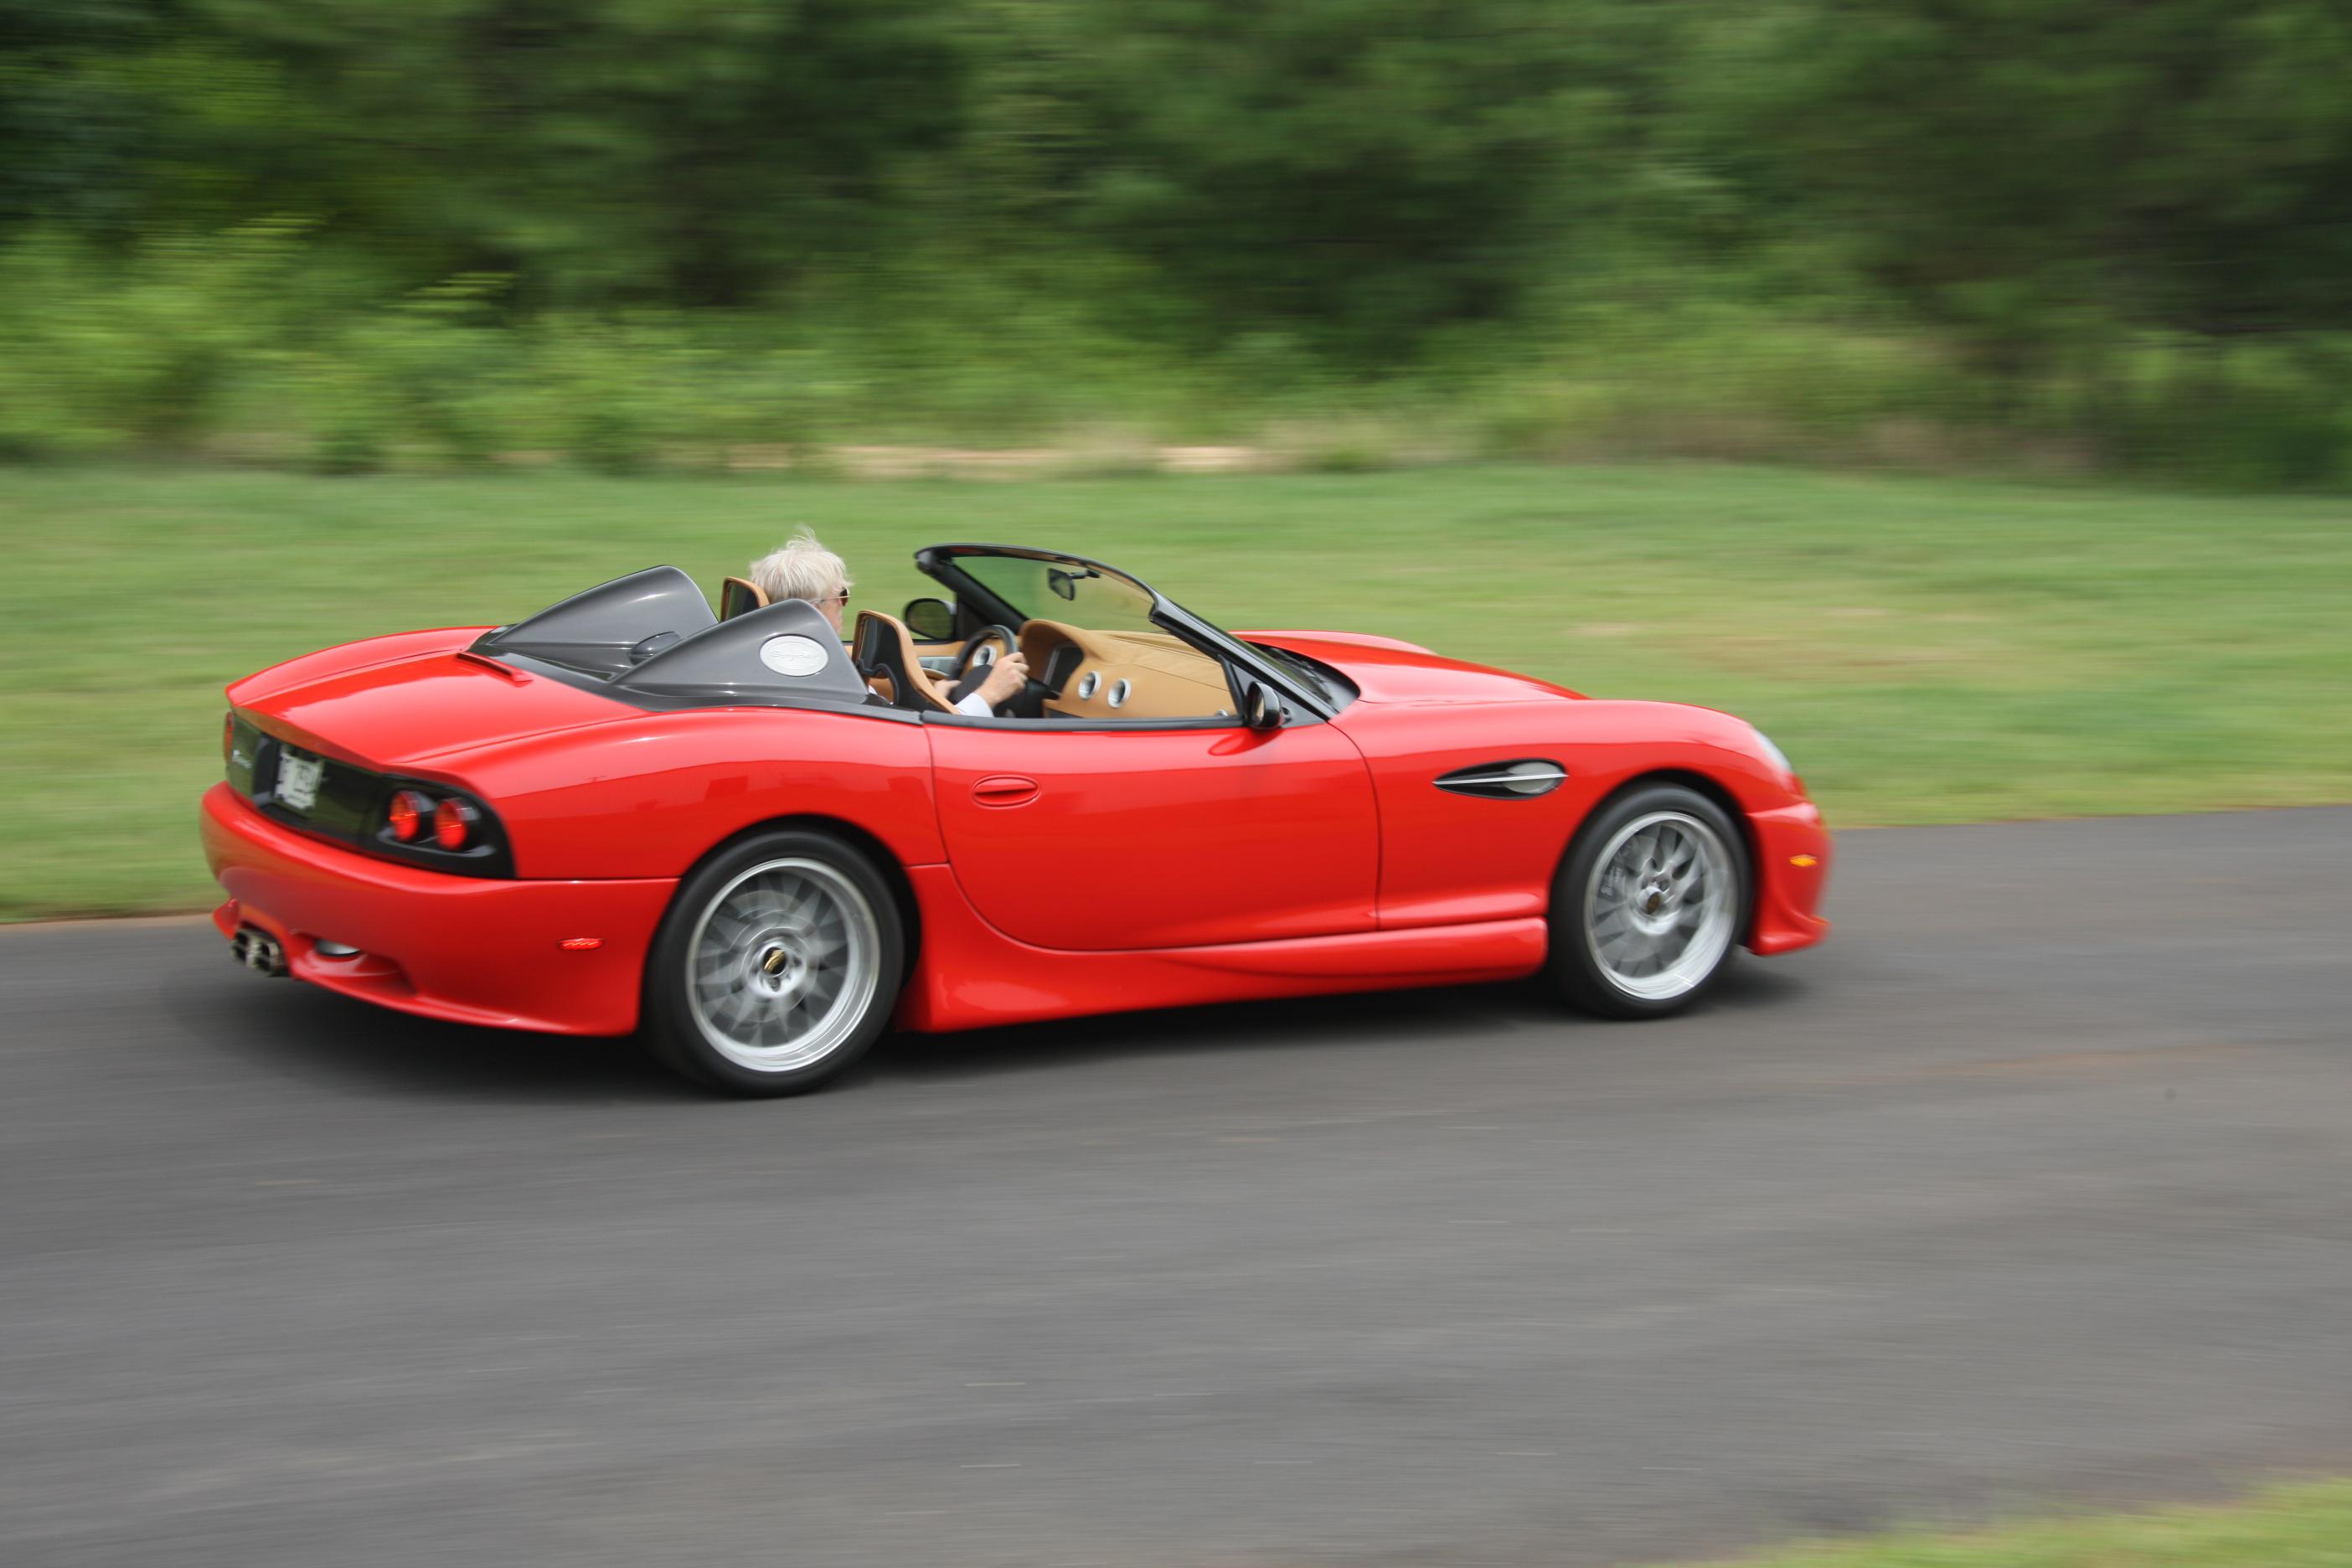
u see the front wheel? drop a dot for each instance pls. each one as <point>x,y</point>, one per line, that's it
<point>776,967</point>
<point>1653,896</point>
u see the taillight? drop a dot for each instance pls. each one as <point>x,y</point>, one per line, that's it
<point>433,825</point>
<point>453,823</point>
<point>407,814</point>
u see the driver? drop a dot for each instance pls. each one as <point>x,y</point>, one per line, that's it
<point>803,569</point>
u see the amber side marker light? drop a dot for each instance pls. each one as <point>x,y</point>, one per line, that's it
<point>581,943</point>
<point>1804,860</point>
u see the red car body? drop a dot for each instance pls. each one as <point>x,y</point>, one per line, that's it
<point>1042,871</point>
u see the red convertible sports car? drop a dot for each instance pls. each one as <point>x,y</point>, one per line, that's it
<point>759,846</point>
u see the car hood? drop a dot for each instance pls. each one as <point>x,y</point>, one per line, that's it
<point>1386,670</point>
<point>398,702</point>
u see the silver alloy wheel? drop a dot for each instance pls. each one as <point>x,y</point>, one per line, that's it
<point>782,964</point>
<point>1658,912</point>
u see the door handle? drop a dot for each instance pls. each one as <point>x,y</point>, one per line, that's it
<point>1004,789</point>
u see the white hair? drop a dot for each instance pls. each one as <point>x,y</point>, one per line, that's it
<point>799,569</point>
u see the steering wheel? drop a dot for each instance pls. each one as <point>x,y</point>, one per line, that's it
<point>994,641</point>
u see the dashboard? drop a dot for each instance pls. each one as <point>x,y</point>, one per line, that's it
<point>1123,675</point>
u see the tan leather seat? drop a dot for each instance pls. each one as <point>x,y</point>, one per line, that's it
<point>884,651</point>
<point>740,595</point>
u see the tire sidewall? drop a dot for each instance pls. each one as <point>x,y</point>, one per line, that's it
<point>669,1026</point>
<point>1572,960</point>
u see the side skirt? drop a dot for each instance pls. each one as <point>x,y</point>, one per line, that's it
<point>970,975</point>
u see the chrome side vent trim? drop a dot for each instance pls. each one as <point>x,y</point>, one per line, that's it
<point>1523,779</point>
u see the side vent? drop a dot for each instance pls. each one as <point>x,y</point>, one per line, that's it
<point>1521,780</point>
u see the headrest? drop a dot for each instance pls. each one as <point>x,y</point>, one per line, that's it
<point>739,596</point>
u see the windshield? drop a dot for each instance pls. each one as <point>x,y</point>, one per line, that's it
<point>1113,621</point>
<point>1062,590</point>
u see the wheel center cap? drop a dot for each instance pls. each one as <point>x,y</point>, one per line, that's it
<point>776,969</point>
<point>1654,907</point>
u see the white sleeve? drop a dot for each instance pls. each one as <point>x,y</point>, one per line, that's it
<point>977,706</point>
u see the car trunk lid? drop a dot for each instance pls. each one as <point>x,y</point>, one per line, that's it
<point>400,702</point>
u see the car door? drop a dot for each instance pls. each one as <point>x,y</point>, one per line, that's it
<point>1112,837</point>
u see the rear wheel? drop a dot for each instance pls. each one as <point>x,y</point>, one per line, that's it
<point>1649,904</point>
<point>776,967</point>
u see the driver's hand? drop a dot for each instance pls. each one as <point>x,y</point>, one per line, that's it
<point>1006,679</point>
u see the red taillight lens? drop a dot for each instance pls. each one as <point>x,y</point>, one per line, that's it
<point>453,824</point>
<point>409,810</point>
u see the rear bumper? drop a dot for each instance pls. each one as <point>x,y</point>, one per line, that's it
<point>471,950</point>
<point>1791,872</point>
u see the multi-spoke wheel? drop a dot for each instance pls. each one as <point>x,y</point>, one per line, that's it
<point>777,965</point>
<point>1650,899</point>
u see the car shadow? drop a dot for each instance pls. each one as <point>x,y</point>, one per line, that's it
<point>1460,1013</point>
<point>1226,1028</point>
<point>295,1030</point>
<point>302,1031</point>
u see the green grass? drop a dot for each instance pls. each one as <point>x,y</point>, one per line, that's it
<point>2307,1526</point>
<point>1926,650</point>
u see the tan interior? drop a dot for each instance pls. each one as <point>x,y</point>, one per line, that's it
<point>741,595</point>
<point>929,688</point>
<point>1166,677</point>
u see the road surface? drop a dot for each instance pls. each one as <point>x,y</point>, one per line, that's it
<point>2032,1189</point>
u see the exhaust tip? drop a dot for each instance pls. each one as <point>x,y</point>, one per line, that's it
<point>257,951</point>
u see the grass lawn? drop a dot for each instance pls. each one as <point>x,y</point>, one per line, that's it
<point>2305,1526</point>
<point>1926,650</point>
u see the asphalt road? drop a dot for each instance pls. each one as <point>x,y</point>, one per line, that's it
<point>2032,1189</point>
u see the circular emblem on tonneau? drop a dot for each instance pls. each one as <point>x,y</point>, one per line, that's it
<point>792,654</point>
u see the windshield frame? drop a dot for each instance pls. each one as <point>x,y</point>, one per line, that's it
<point>937,562</point>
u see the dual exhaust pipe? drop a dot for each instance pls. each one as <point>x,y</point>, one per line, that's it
<point>257,951</point>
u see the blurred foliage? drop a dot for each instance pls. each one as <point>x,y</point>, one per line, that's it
<point>647,232</point>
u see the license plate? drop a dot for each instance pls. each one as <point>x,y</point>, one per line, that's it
<point>297,779</point>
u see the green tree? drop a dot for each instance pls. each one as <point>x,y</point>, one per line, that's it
<point>73,133</point>
<point>690,151</point>
<point>2027,170</point>
<point>1368,167</point>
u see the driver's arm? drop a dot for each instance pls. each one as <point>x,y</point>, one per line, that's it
<point>1006,679</point>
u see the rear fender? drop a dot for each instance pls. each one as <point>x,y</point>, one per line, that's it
<point>651,796</point>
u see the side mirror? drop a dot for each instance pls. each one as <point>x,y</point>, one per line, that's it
<point>1261,709</point>
<point>930,619</point>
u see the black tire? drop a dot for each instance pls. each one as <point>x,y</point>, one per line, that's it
<point>760,923</point>
<point>1646,923</point>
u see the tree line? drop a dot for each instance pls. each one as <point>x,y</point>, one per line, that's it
<point>1375,181</point>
